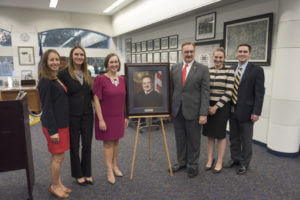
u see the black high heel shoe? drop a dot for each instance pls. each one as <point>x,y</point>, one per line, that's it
<point>209,168</point>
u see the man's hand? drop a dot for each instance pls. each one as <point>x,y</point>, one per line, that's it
<point>55,138</point>
<point>254,118</point>
<point>212,109</point>
<point>202,119</point>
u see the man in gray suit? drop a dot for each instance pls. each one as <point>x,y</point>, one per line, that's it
<point>190,103</point>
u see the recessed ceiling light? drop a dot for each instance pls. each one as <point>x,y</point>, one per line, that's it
<point>53,3</point>
<point>113,6</point>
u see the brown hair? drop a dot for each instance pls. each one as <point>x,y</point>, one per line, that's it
<point>220,49</point>
<point>246,45</point>
<point>187,43</point>
<point>107,60</point>
<point>71,67</point>
<point>45,70</point>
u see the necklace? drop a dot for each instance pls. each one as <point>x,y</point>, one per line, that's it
<point>114,81</point>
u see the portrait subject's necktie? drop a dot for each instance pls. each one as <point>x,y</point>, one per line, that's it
<point>236,85</point>
<point>183,74</point>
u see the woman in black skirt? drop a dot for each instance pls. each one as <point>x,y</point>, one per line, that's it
<point>221,86</point>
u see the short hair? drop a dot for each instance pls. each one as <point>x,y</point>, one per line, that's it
<point>46,71</point>
<point>244,44</point>
<point>220,49</point>
<point>187,43</point>
<point>108,58</point>
<point>147,76</point>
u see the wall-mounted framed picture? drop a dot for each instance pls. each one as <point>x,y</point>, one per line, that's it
<point>138,58</point>
<point>149,57</point>
<point>156,44</point>
<point>26,75</point>
<point>173,56</point>
<point>144,58</point>
<point>128,57</point>
<point>6,65</point>
<point>26,55</point>
<point>164,43</point>
<point>133,47</point>
<point>204,51</point>
<point>128,45</point>
<point>156,57</point>
<point>179,56</point>
<point>173,42</point>
<point>138,47</point>
<point>133,58</point>
<point>164,57</point>
<point>144,46</point>
<point>147,89</point>
<point>149,45</point>
<point>206,26</point>
<point>255,31</point>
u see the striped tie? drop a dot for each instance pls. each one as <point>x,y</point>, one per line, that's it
<point>236,86</point>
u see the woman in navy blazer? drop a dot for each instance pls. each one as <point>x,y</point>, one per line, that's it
<point>79,83</point>
<point>55,118</point>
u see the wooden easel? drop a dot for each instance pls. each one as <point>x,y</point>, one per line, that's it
<point>149,139</point>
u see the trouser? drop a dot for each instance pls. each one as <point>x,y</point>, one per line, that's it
<point>81,127</point>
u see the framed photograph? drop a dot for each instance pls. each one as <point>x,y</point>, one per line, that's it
<point>147,89</point>
<point>256,31</point>
<point>138,58</point>
<point>206,26</point>
<point>149,57</point>
<point>144,46</point>
<point>149,45</point>
<point>164,43</point>
<point>26,75</point>
<point>204,51</point>
<point>173,42</point>
<point>179,56</point>
<point>128,57</point>
<point>133,47</point>
<point>133,58</point>
<point>173,57</point>
<point>156,57</point>
<point>26,55</point>
<point>138,47</point>
<point>6,65</point>
<point>156,44</point>
<point>144,58</point>
<point>164,57</point>
<point>128,45</point>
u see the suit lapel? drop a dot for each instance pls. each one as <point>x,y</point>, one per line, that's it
<point>246,73</point>
<point>190,76</point>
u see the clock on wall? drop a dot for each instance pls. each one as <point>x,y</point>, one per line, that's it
<point>24,37</point>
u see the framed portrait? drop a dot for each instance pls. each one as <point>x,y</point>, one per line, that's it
<point>173,42</point>
<point>206,26</point>
<point>156,44</point>
<point>128,45</point>
<point>179,56</point>
<point>149,45</point>
<point>144,46</point>
<point>255,31</point>
<point>138,58</point>
<point>156,57</point>
<point>164,43</point>
<point>133,47</point>
<point>149,57</point>
<point>144,58</point>
<point>128,57</point>
<point>133,58</point>
<point>138,47</point>
<point>173,55</point>
<point>204,51</point>
<point>147,89</point>
<point>164,57</point>
<point>6,65</point>
<point>26,75</point>
<point>26,55</point>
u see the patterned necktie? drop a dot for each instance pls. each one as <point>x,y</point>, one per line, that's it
<point>236,85</point>
<point>183,74</point>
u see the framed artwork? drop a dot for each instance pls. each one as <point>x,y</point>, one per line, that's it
<point>156,44</point>
<point>173,42</point>
<point>128,57</point>
<point>204,51</point>
<point>138,58</point>
<point>164,43</point>
<point>149,45</point>
<point>144,46</point>
<point>149,57</point>
<point>156,57</point>
<point>128,45</point>
<point>173,57</point>
<point>6,65</point>
<point>147,89</point>
<point>95,65</point>
<point>255,31</point>
<point>133,58</point>
<point>206,26</point>
<point>138,47</point>
<point>144,58</point>
<point>26,55</point>
<point>26,75</point>
<point>164,57</point>
<point>179,56</point>
<point>133,47</point>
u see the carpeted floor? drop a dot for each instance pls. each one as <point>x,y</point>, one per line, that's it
<point>269,177</point>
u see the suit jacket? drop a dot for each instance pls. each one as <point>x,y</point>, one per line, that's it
<point>250,93</point>
<point>153,99</point>
<point>55,106</point>
<point>80,96</point>
<point>194,95</point>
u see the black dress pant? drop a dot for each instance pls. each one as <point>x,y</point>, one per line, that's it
<point>81,127</point>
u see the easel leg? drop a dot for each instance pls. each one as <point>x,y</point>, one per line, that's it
<point>135,145</point>
<point>166,145</point>
<point>149,138</point>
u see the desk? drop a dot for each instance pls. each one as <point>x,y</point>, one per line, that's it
<point>33,96</point>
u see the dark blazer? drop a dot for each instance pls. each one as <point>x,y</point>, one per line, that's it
<point>55,106</point>
<point>250,93</point>
<point>153,99</point>
<point>80,96</point>
<point>194,95</point>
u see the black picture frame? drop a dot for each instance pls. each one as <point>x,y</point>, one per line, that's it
<point>149,45</point>
<point>164,57</point>
<point>156,44</point>
<point>206,26</point>
<point>164,42</point>
<point>128,45</point>
<point>138,47</point>
<point>173,42</point>
<point>156,57</point>
<point>137,104</point>
<point>133,47</point>
<point>144,46</point>
<point>255,31</point>
<point>173,57</point>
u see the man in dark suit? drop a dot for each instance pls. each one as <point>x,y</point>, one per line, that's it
<point>148,97</point>
<point>247,102</point>
<point>190,103</point>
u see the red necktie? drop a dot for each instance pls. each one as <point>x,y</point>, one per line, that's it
<point>183,74</point>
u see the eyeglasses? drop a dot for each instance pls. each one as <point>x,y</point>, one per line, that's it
<point>186,52</point>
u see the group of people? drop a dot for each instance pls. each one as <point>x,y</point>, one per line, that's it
<point>201,98</point>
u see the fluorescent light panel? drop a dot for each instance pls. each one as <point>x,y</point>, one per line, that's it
<point>113,6</point>
<point>53,3</point>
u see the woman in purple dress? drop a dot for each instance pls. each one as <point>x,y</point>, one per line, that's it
<point>109,100</point>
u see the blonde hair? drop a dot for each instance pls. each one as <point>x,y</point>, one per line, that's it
<point>220,49</point>
<point>45,70</point>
